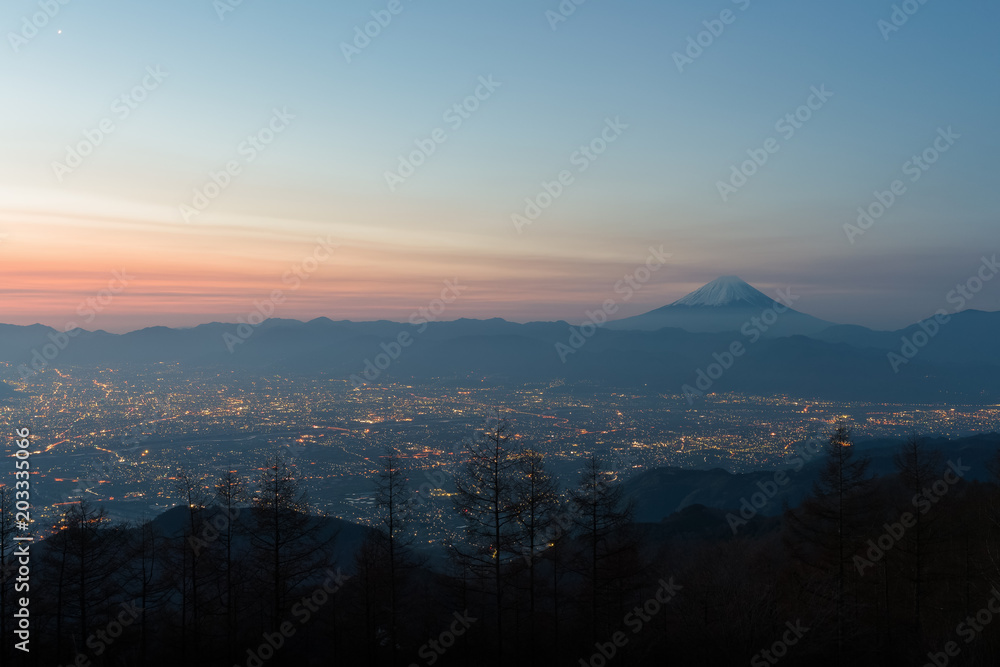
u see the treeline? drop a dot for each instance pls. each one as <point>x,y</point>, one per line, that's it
<point>899,569</point>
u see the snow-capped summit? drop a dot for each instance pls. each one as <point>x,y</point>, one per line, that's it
<point>728,303</point>
<point>726,291</point>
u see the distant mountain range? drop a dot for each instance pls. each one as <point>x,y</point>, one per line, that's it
<point>782,351</point>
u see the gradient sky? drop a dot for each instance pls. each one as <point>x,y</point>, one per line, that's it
<point>656,185</point>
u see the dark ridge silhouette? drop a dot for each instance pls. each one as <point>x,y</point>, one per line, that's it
<point>960,362</point>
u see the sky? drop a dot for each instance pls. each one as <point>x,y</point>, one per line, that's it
<point>611,116</point>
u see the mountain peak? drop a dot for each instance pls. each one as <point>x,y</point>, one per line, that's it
<point>726,291</point>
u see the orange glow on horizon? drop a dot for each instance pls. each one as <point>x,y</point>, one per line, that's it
<point>60,272</point>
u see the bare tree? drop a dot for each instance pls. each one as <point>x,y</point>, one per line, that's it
<point>230,491</point>
<point>918,468</point>
<point>538,499</point>
<point>602,518</point>
<point>87,552</point>
<point>486,499</point>
<point>392,501</point>
<point>144,550</point>
<point>826,530</point>
<point>189,488</point>
<point>286,537</point>
<point>367,568</point>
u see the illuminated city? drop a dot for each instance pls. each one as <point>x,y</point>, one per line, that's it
<point>118,436</point>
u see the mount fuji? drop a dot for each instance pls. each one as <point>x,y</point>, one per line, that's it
<point>727,303</point>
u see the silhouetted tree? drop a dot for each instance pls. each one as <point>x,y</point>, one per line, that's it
<point>537,494</point>
<point>87,554</point>
<point>367,580</point>
<point>287,539</point>
<point>144,550</point>
<point>826,531</point>
<point>602,519</point>
<point>486,499</point>
<point>230,491</point>
<point>918,468</point>
<point>393,505</point>
<point>189,488</point>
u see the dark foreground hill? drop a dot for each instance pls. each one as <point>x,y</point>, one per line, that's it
<point>661,492</point>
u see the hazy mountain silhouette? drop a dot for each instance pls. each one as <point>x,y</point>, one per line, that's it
<point>968,337</point>
<point>960,361</point>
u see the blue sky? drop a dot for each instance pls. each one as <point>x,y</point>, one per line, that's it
<point>656,184</point>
